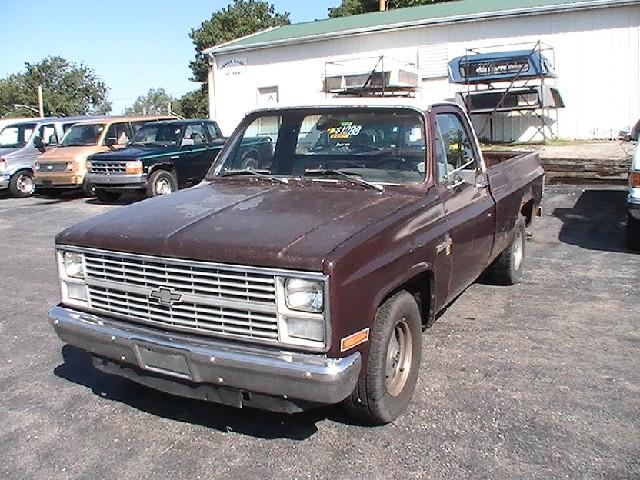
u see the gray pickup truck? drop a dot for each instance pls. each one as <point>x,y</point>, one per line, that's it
<point>309,281</point>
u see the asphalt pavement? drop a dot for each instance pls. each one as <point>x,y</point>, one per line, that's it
<point>539,380</point>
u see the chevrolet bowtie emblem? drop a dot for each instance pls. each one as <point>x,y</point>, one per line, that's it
<point>165,296</point>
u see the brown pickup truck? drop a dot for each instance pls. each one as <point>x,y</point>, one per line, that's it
<point>310,279</point>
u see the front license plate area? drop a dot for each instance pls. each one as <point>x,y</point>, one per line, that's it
<point>166,363</point>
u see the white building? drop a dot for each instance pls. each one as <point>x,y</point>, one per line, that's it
<point>596,52</point>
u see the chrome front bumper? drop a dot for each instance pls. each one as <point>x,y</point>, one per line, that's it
<point>117,180</point>
<point>182,364</point>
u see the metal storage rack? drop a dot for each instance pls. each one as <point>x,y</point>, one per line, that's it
<point>549,100</point>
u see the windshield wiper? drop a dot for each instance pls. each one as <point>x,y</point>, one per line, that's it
<point>257,173</point>
<point>350,176</point>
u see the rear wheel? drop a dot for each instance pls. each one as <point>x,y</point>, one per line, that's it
<point>384,390</point>
<point>507,268</point>
<point>107,196</point>
<point>21,184</point>
<point>633,233</point>
<point>161,182</point>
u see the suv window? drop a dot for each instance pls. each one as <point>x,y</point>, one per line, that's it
<point>196,133</point>
<point>119,131</point>
<point>47,134</point>
<point>453,146</point>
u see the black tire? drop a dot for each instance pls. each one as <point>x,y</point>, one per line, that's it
<point>106,196</point>
<point>21,184</point>
<point>380,398</point>
<point>161,182</point>
<point>507,268</point>
<point>249,162</point>
<point>633,233</point>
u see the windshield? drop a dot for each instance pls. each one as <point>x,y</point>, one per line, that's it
<point>159,135</point>
<point>385,146</point>
<point>81,135</point>
<point>16,136</point>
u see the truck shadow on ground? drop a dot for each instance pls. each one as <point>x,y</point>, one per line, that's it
<point>77,368</point>
<point>596,221</point>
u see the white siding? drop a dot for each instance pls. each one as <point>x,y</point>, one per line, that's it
<point>597,56</point>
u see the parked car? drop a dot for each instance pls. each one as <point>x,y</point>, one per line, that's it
<point>633,203</point>
<point>65,167</point>
<point>309,282</point>
<point>20,145</point>
<point>163,157</point>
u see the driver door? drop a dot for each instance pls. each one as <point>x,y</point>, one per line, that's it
<point>469,207</point>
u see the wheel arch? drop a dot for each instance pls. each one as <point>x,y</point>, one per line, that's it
<point>419,281</point>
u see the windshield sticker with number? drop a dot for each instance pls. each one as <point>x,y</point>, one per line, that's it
<point>344,131</point>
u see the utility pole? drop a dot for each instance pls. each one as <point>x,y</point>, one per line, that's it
<point>40,103</point>
<point>382,5</point>
<point>169,108</point>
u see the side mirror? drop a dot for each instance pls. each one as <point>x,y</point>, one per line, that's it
<point>187,142</point>
<point>39,144</point>
<point>111,142</point>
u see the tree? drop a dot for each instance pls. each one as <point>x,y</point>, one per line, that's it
<point>155,102</point>
<point>194,104</point>
<point>355,7</point>
<point>242,17</point>
<point>68,89</point>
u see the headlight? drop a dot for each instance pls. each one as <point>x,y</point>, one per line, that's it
<point>73,264</point>
<point>302,314</point>
<point>304,295</point>
<point>134,167</point>
<point>37,166</point>
<point>70,166</point>
<point>72,278</point>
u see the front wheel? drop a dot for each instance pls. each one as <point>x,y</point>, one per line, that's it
<point>161,182</point>
<point>21,184</point>
<point>107,196</point>
<point>384,390</point>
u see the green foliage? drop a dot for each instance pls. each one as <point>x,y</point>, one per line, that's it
<point>68,89</point>
<point>194,104</point>
<point>355,7</point>
<point>155,102</point>
<point>241,18</point>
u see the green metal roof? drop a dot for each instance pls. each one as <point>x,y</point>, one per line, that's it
<point>462,10</point>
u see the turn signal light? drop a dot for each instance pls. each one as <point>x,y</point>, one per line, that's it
<point>134,168</point>
<point>634,179</point>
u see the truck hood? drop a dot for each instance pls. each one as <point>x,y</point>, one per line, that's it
<point>69,153</point>
<point>240,222</point>
<point>5,152</point>
<point>135,153</point>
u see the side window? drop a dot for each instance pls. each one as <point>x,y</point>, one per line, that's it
<point>214,131</point>
<point>119,132</point>
<point>48,134</point>
<point>455,143</point>
<point>196,133</point>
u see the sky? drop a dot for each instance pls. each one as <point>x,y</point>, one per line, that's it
<point>132,45</point>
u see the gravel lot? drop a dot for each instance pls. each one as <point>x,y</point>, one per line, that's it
<point>541,380</point>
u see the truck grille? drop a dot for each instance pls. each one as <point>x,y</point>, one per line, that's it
<point>195,297</point>
<point>46,167</point>
<point>107,167</point>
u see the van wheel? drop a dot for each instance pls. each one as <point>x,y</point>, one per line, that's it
<point>161,182</point>
<point>507,268</point>
<point>249,163</point>
<point>21,184</point>
<point>107,196</point>
<point>384,390</point>
<point>633,233</point>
